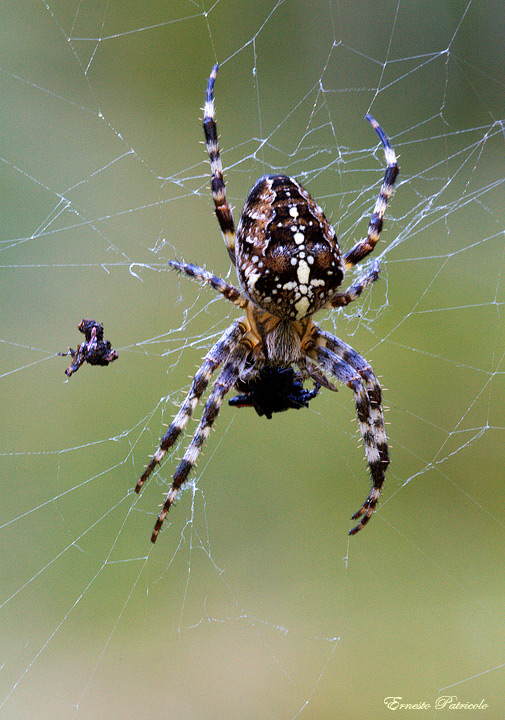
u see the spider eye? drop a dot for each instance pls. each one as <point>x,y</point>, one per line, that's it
<point>288,259</point>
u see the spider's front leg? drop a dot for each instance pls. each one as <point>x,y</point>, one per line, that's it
<point>215,357</point>
<point>352,370</point>
<point>225,381</point>
<point>346,353</point>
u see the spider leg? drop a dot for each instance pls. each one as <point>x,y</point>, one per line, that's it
<point>223,210</point>
<point>342,370</point>
<point>355,290</point>
<point>215,357</point>
<point>224,382</point>
<point>228,291</point>
<point>346,353</point>
<point>364,247</point>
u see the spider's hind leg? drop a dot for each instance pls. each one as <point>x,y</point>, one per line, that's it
<point>364,247</point>
<point>223,210</point>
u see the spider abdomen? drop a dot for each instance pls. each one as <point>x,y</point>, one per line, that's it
<point>288,259</point>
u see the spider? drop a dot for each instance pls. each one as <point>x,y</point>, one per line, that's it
<point>95,350</point>
<point>289,266</point>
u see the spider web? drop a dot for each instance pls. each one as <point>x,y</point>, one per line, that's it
<point>254,602</point>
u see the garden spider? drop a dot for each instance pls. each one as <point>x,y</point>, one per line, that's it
<point>289,266</point>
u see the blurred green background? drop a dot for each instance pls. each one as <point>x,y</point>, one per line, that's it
<point>254,603</point>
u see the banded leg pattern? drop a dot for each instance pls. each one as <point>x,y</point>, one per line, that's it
<point>228,291</point>
<point>225,381</point>
<point>213,359</point>
<point>365,247</point>
<point>355,290</point>
<point>373,388</point>
<point>223,210</point>
<point>369,417</point>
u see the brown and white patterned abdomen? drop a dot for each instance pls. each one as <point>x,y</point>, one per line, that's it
<point>287,255</point>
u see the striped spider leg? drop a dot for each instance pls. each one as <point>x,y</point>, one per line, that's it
<point>224,382</point>
<point>222,208</point>
<point>364,247</point>
<point>343,362</point>
<point>213,359</point>
<point>231,349</point>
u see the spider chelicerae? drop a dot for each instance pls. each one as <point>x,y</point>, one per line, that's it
<point>289,266</point>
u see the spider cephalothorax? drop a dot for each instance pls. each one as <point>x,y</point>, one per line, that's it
<point>289,266</point>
